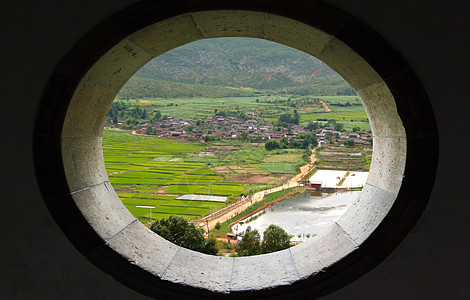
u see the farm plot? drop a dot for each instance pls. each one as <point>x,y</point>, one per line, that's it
<point>282,167</point>
<point>222,189</point>
<point>165,206</point>
<point>148,169</point>
<point>347,110</point>
<point>342,158</point>
<point>142,166</point>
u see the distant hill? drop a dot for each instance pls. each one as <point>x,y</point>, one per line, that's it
<point>231,65</point>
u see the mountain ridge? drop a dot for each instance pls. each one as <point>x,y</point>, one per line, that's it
<point>260,65</point>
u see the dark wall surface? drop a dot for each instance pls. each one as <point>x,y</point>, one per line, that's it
<point>38,262</point>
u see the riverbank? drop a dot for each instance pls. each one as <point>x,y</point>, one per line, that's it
<point>303,215</point>
<point>268,203</point>
<point>234,209</point>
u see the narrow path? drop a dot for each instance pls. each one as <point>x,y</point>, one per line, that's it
<point>235,208</point>
<point>305,168</point>
<point>325,106</point>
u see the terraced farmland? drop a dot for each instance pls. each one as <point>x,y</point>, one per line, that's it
<point>342,158</point>
<point>142,174</point>
<point>148,171</point>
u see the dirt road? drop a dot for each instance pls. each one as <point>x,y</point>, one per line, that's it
<point>234,209</point>
<point>305,168</point>
<point>325,106</point>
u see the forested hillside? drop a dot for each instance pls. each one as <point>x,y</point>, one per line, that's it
<point>234,67</point>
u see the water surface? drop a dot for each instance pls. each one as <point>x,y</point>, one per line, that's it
<point>306,213</point>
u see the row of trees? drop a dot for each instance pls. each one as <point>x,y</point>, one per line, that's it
<point>182,233</point>
<point>274,239</point>
<point>289,118</point>
<point>308,140</point>
<point>136,114</point>
<point>178,231</point>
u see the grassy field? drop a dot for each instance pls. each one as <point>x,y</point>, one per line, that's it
<point>194,108</point>
<point>351,116</point>
<point>266,106</point>
<point>344,158</point>
<point>148,171</point>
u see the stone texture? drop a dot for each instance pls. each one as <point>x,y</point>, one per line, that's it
<point>200,270</point>
<point>421,163</point>
<point>103,210</point>
<point>382,111</point>
<point>348,64</point>
<point>263,271</point>
<point>295,34</point>
<point>142,247</point>
<point>83,162</point>
<point>161,37</point>
<point>87,111</point>
<point>233,23</point>
<point>49,168</point>
<point>321,251</point>
<point>388,164</point>
<point>413,104</point>
<point>373,48</point>
<point>316,14</point>
<point>366,213</point>
<point>114,68</point>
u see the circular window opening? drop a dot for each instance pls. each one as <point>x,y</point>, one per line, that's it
<point>206,131</point>
<point>74,183</point>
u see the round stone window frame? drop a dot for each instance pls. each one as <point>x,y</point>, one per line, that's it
<point>72,177</point>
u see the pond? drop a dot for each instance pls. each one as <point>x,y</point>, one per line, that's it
<point>303,215</point>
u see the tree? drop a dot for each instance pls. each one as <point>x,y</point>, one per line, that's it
<point>331,123</point>
<point>274,239</point>
<point>256,139</point>
<point>217,226</point>
<point>272,145</point>
<point>339,127</point>
<point>349,143</point>
<point>288,118</point>
<point>312,126</point>
<point>356,129</point>
<point>178,231</point>
<point>250,244</point>
<point>243,135</point>
<point>148,130</point>
<point>284,142</point>
<point>211,246</point>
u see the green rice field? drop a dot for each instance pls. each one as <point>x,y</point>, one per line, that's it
<point>140,171</point>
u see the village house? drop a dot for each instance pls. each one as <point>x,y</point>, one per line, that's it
<point>231,128</point>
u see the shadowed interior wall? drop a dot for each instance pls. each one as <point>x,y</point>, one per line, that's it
<point>38,262</point>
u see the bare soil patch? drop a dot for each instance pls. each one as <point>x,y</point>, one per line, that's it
<point>205,153</point>
<point>162,189</point>
<point>310,108</point>
<point>257,178</point>
<point>222,170</point>
<point>223,148</point>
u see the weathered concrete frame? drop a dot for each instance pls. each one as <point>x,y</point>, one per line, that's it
<point>75,186</point>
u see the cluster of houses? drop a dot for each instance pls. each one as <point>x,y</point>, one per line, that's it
<point>360,138</point>
<point>254,128</point>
